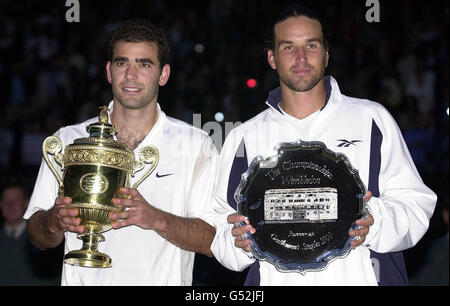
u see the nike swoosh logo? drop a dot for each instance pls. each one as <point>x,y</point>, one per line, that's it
<point>163,175</point>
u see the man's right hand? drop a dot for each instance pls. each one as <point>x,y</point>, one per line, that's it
<point>62,219</point>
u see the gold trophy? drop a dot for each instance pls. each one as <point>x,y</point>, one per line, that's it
<point>94,169</point>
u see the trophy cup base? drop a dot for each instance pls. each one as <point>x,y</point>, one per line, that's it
<point>89,256</point>
<point>90,259</point>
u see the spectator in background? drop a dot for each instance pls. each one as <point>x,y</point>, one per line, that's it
<point>20,262</point>
<point>421,85</point>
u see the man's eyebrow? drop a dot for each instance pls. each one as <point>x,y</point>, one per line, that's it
<point>315,39</point>
<point>138,60</point>
<point>284,42</point>
<point>120,59</point>
<point>144,60</point>
<point>318,39</point>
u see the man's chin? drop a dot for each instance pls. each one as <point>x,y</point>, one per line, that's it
<point>131,103</point>
<point>302,85</point>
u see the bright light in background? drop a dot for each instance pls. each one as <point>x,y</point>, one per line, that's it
<point>447,111</point>
<point>219,117</point>
<point>251,83</point>
<point>199,48</point>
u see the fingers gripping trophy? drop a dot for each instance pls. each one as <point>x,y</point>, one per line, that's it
<point>93,171</point>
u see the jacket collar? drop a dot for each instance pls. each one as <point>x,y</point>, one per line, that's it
<point>274,97</point>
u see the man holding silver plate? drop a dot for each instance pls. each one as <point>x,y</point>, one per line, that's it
<point>319,189</point>
<point>133,184</point>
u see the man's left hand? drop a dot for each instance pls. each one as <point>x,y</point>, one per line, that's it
<point>138,211</point>
<point>364,224</point>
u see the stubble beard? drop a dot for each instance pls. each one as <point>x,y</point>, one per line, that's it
<point>305,83</point>
<point>302,85</point>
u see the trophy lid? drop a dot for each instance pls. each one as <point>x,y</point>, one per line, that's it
<point>102,132</point>
<point>102,128</point>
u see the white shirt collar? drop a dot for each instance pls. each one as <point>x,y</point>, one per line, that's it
<point>17,231</point>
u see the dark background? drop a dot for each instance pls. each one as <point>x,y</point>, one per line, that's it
<point>52,74</point>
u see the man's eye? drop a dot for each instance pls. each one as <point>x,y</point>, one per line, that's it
<point>312,46</point>
<point>120,63</point>
<point>145,65</point>
<point>289,48</point>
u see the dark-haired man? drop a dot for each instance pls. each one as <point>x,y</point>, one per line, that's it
<point>309,106</point>
<point>14,241</point>
<point>154,240</point>
<point>20,263</point>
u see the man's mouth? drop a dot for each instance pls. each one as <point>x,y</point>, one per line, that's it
<point>131,90</point>
<point>301,70</point>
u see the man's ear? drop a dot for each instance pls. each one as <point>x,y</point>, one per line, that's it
<point>108,72</point>
<point>165,73</point>
<point>271,59</point>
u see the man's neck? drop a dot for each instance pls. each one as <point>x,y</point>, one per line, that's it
<point>133,125</point>
<point>302,104</point>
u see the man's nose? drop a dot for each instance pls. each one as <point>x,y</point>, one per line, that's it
<point>300,54</point>
<point>131,72</point>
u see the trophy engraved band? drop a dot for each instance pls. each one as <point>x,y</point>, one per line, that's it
<point>94,169</point>
<point>302,203</point>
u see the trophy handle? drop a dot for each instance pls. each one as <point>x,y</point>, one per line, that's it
<point>148,155</point>
<point>53,145</point>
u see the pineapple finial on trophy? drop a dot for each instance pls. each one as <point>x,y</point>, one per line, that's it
<point>104,116</point>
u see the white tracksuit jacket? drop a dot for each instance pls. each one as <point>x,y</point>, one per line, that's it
<point>367,134</point>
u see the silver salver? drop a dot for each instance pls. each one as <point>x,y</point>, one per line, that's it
<point>302,201</point>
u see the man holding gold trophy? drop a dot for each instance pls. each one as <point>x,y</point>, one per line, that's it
<point>281,197</point>
<point>113,207</point>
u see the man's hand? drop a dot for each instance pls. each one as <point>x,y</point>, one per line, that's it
<point>237,232</point>
<point>62,219</point>
<point>365,225</point>
<point>138,211</point>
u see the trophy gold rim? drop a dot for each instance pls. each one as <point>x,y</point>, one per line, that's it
<point>90,155</point>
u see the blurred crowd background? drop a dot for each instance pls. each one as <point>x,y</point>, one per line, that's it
<point>52,74</point>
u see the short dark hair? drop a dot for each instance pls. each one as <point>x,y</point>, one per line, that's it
<point>297,10</point>
<point>141,30</point>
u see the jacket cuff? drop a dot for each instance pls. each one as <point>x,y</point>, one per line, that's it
<point>373,209</point>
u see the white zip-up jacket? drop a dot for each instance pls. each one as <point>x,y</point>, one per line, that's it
<point>367,134</point>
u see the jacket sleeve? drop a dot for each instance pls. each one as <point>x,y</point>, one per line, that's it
<point>403,205</point>
<point>200,192</point>
<point>223,246</point>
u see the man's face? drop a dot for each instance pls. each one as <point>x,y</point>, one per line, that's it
<point>13,205</point>
<point>135,74</point>
<point>299,55</point>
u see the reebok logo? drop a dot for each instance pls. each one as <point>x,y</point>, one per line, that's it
<point>346,143</point>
